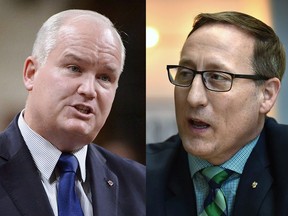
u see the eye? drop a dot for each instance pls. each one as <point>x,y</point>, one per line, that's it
<point>183,74</point>
<point>74,68</point>
<point>104,78</point>
<point>217,76</point>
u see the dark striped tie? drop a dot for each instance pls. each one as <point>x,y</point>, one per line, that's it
<point>215,203</point>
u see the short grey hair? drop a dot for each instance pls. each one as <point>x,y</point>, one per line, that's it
<point>47,35</point>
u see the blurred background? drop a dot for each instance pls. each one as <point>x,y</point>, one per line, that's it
<point>124,131</point>
<point>168,23</point>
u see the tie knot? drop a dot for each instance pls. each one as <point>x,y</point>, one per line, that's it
<point>216,175</point>
<point>67,163</point>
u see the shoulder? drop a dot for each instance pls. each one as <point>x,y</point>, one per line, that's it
<point>161,157</point>
<point>117,164</point>
<point>274,127</point>
<point>167,169</point>
<point>131,178</point>
<point>276,136</point>
<point>11,140</point>
<point>163,150</point>
<point>168,145</point>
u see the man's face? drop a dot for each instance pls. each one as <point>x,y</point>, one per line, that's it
<point>215,125</point>
<point>71,95</point>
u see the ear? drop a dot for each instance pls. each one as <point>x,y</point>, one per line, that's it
<point>29,72</point>
<point>271,89</point>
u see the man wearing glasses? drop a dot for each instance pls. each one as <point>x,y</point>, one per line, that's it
<point>229,158</point>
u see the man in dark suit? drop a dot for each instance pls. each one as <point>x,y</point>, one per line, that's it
<point>71,78</point>
<point>229,158</point>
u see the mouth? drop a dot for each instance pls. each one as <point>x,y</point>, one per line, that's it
<point>83,109</point>
<point>198,124</point>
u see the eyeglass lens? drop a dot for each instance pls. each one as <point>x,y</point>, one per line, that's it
<point>213,80</point>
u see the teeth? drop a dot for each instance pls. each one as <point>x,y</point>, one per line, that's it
<point>83,109</point>
<point>199,124</point>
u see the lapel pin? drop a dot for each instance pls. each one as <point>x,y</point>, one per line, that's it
<point>110,183</point>
<point>254,184</point>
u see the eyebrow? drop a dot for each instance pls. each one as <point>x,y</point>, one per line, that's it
<point>209,66</point>
<point>88,61</point>
<point>186,62</point>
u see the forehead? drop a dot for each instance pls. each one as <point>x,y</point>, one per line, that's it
<point>225,35</point>
<point>219,41</point>
<point>86,26</point>
<point>90,39</point>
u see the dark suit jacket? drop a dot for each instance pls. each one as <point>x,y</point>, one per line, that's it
<point>22,193</point>
<point>170,188</point>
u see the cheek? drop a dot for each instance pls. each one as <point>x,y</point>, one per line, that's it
<point>46,82</point>
<point>53,92</point>
<point>238,113</point>
<point>43,88</point>
<point>180,98</point>
<point>105,100</point>
<point>178,107</point>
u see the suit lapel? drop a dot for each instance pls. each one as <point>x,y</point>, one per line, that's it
<point>255,182</point>
<point>181,196</point>
<point>104,184</point>
<point>23,185</point>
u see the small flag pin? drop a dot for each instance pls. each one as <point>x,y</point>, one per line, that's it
<point>110,183</point>
<point>254,184</point>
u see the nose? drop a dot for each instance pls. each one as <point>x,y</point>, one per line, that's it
<point>197,96</point>
<point>87,87</point>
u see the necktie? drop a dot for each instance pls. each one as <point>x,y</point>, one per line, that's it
<point>215,203</point>
<point>68,201</point>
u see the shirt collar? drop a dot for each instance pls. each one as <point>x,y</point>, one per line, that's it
<point>236,163</point>
<point>46,155</point>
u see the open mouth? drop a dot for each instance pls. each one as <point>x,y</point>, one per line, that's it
<point>197,124</point>
<point>83,109</point>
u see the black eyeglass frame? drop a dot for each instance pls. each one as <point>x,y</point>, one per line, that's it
<point>195,72</point>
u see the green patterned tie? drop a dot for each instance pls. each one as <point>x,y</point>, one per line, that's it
<point>215,203</point>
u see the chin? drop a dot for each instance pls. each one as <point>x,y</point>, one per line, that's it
<point>197,148</point>
<point>79,133</point>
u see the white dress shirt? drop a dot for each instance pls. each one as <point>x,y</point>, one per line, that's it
<point>46,156</point>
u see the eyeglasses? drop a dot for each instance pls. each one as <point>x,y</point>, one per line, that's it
<point>218,81</point>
